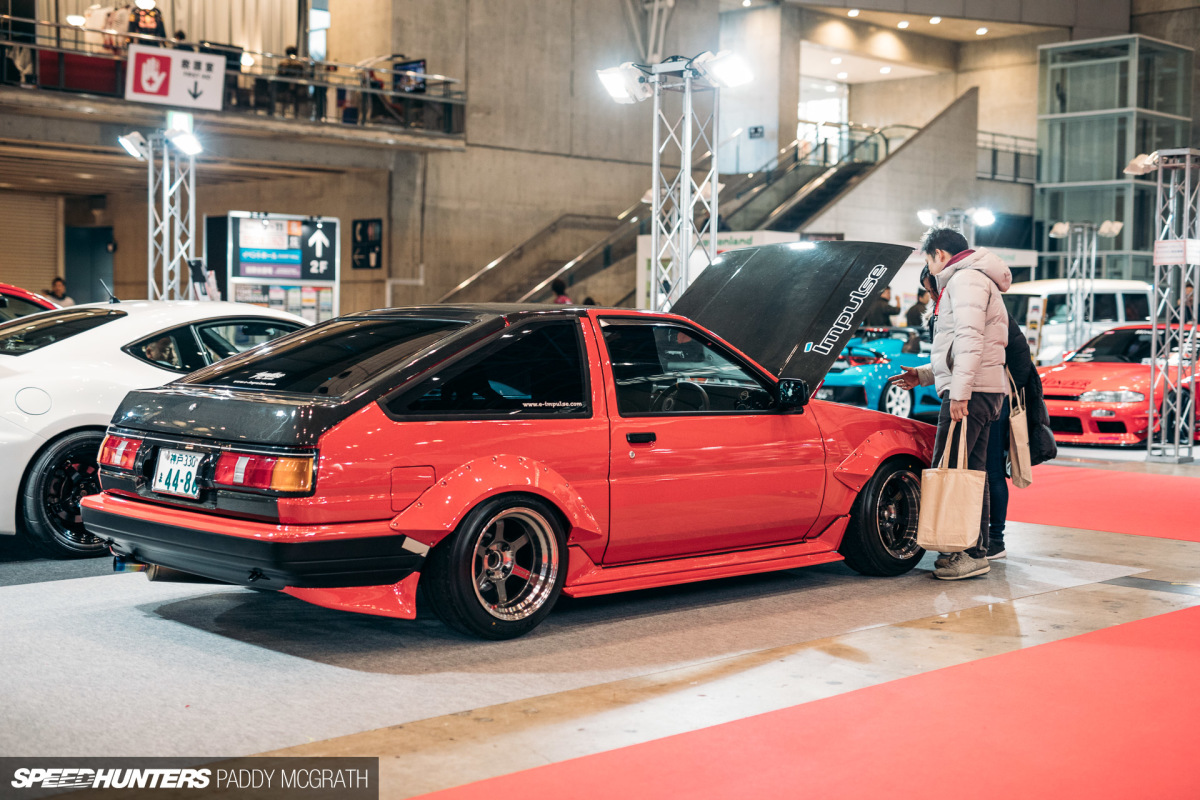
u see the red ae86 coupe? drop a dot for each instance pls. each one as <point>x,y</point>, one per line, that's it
<point>502,455</point>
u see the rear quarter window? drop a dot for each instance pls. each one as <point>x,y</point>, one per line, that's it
<point>28,335</point>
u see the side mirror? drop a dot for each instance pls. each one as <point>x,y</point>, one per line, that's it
<point>792,394</point>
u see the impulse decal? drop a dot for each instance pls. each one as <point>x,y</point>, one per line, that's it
<point>845,320</point>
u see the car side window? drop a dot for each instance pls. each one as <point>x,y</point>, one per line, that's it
<point>227,338</point>
<point>1137,307</point>
<point>13,307</point>
<point>1104,308</point>
<point>175,349</point>
<point>666,369</point>
<point>532,371</point>
<point>1058,310</point>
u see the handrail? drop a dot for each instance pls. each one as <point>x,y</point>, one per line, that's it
<point>819,181</point>
<point>633,223</point>
<point>1024,145</point>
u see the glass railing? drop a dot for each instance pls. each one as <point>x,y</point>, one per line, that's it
<point>378,92</point>
<point>1003,157</point>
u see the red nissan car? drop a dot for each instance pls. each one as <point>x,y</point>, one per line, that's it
<point>17,302</point>
<point>502,455</point>
<point>1101,394</point>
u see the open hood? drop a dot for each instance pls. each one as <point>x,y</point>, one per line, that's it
<point>792,307</point>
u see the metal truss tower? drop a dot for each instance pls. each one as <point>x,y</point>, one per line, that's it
<point>683,211</point>
<point>1173,343</point>
<point>171,216</point>
<point>1081,283</point>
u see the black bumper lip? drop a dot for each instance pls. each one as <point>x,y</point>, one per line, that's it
<point>330,563</point>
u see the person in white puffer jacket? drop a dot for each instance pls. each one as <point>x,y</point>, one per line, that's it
<point>967,363</point>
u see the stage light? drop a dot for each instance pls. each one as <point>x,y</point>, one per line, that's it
<point>135,144</point>
<point>982,217</point>
<point>725,69</point>
<point>1142,164</point>
<point>186,142</point>
<point>928,216</point>
<point>626,83</point>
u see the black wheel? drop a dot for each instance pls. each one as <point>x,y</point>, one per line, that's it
<point>882,536</point>
<point>58,479</point>
<point>896,400</point>
<point>498,575</point>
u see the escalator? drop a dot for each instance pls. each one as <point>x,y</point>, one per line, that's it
<point>814,197</point>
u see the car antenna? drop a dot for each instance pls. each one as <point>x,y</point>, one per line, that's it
<point>112,298</point>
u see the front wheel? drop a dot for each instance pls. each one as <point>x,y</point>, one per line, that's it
<point>881,538</point>
<point>58,479</point>
<point>499,574</point>
<point>896,400</point>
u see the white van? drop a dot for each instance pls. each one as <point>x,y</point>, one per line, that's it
<point>1041,309</point>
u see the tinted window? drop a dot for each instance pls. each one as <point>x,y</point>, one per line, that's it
<point>26,335</point>
<point>1058,310</point>
<point>175,349</point>
<point>1018,306</point>
<point>535,370</point>
<point>13,307</point>
<point>1137,307</point>
<point>330,359</point>
<point>1119,346</point>
<point>663,369</point>
<point>227,338</point>
<point>1104,308</point>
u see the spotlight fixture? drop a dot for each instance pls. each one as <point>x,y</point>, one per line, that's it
<point>136,145</point>
<point>1142,164</point>
<point>725,68</point>
<point>76,20</point>
<point>145,5</point>
<point>902,24</point>
<point>852,12</point>
<point>843,75</point>
<point>746,3</point>
<point>1060,230</point>
<point>626,83</point>
<point>885,70</point>
<point>927,216</point>
<point>1110,229</point>
<point>247,60</point>
<point>837,60</point>
<point>982,217</point>
<point>185,141</point>
<point>980,31</point>
<point>935,20</point>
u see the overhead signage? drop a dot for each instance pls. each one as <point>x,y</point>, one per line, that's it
<point>366,246</point>
<point>175,77</point>
<point>1170,252</point>
<point>284,261</point>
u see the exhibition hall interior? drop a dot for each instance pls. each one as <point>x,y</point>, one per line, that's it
<point>599,398</point>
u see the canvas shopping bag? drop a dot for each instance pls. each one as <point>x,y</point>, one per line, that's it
<point>951,500</point>
<point>1018,436</point>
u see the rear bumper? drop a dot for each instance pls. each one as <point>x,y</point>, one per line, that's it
<point>264,562</point>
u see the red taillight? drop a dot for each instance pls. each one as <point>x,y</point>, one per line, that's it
<point>863,361</point>
<point>278,473</point>
<point>119,451</point>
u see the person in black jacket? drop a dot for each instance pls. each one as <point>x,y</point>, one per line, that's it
<point>1020,363</point>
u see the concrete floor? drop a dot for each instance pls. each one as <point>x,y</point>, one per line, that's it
<point>101,664</point>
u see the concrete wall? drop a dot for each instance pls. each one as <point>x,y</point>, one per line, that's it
<point>1005,71</point>
<point>934,169</point>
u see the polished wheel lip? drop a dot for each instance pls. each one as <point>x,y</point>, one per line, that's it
<point>515,558</point>
<point>896,398</point>
<point>899,495</point>
<point>70,480</point>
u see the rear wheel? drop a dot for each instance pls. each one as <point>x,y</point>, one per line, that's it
<point>896,400</point>
<point>64,473</point>
<point>498,575</point>
<point>881,538</point>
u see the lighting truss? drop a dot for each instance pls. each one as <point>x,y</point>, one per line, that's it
<point>683,238</point>
<point>1081,282</point>
<point>171,204</point>
<point>1173,342</point>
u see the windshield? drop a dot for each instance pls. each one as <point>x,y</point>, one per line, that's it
<point>27,334</point>
<point>12,307</point>
<point>1128,346</point>
<point>331,359</point>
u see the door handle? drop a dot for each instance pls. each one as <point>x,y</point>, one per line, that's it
<point>640,438</point>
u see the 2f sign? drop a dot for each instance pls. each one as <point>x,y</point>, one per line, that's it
<point>175,78</point>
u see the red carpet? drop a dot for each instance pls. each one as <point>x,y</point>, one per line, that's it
<point>1166,506</point>
<point>1110,714</point>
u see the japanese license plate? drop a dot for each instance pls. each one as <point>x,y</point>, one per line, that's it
<point>176,473</point>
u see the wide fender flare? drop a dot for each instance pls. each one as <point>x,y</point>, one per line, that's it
<point>438,511</point>
<point>858,467</point>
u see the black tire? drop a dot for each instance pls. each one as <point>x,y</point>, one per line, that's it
<point>473,577</point>
<point>897,401</point>
<point>56,481</point>
<point>881,538</point>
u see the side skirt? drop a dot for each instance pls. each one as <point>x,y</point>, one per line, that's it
<point>586,579</point>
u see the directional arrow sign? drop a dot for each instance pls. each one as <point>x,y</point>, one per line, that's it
<point>319,241</point>
<point>195,91</point>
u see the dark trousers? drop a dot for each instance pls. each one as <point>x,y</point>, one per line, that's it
<point>998,476</point>
<point>982,410</point>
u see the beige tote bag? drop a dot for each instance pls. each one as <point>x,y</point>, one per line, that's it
<point>1018,436</point>
<point>951,500</point>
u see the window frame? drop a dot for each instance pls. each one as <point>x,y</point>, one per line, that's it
<point>132,348</point>
<point>485,347</point>
<point>109,315</point>
<point>239,321</point>
<point>770,381</point>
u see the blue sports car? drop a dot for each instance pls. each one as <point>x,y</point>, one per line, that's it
<point>860,375</point>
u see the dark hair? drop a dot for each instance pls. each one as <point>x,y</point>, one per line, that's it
<point>922,292</point>
<point>558,287</point>
<point>290,50</point>
<point>946,239</point>
<point>180,35</point>
<point>589,301</point>
<point>57,279</point>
